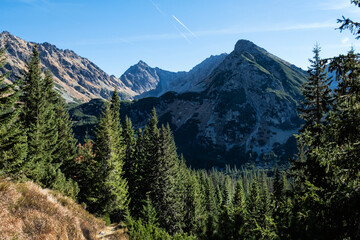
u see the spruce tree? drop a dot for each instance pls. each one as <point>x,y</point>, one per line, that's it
<point>212,210</point>
<point>65,152</point>
<point>51,134</point>
<point>265,201</point>
<point>85,174</point>
<point>151,139</point>
<point>194,216</point>
<point>113,190</point>
<point>254,205</point>
<point>315,109</point>
<point>282,208</point>
<point>226,218</point>
<point>318,96</point>
<point>149,214</point>
<point>139,189</point>
<point>166,196</point>
<point>38,118</point>
<point>240,211</point>
<point>13,147</point>
<point>130,165</point>
<point>320,205</point>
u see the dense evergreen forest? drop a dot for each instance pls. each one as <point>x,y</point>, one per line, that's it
<point>137,177</point>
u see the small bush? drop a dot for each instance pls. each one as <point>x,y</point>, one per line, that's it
<point>4,186</point>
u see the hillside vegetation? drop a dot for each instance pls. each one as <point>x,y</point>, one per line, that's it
<point>28,211</point>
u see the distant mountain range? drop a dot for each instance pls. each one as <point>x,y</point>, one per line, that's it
<point>241,109</point>
<point>77,78</point>
<point>80,80</point>
<point>232,108</point>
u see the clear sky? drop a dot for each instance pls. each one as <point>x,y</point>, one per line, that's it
<point>176,35</point>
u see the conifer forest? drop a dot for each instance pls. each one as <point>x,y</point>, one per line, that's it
<point>136,177</point>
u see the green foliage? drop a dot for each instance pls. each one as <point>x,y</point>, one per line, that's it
<point>240,211</point>
<point>65,150</point>
<point>352,26</point>
<point>318,99</point>
<point>157,168</point>
<point>67,187</point>
<point>37,111</point>
<point>86,175</point>
<point>13,148</point>
<point>140,230</point>
<point>148,213</point>
<point>326,173</point>
<point>112,187</point>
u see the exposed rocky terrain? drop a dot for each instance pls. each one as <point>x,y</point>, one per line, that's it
<point>244,111</point>
<point>77,78</point>
<point>162,81</point>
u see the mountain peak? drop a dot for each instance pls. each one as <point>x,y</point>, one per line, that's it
<point>5,33</point>
<point>245,45</point>
<point>48,45</point>
<point>142,63</point>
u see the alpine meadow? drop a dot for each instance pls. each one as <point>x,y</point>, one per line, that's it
<point>244,145</point>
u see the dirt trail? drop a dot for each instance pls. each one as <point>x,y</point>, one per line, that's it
<point>113,232</point>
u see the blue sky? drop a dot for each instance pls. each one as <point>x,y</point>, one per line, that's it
<point>176,35</point>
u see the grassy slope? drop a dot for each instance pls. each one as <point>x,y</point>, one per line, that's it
<point>30,212</point>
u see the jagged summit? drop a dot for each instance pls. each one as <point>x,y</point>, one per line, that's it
<point>244,45</point>
<point>141,62</point>
<point>5,33</point>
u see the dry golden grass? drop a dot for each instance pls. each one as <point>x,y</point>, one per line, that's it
<point>32,213</point>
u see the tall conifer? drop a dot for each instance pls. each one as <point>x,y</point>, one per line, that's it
<point>113,190</point>
<point>318,99</point>
<point>13,146</point>
<point>240,212</point>
<point>38,118</point>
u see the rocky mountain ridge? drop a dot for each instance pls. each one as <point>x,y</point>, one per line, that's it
<point>180,82</point>
<point>244,112</point>
<point>77,78</point>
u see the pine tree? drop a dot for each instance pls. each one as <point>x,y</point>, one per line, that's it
<point>113,190</point>
<point>212,210</point>
<point>318,99</point>
<point>331,166</point>
<point>130,165</point>
<point>316,106</point>
<point>265,201</point>
<point>149,214</point>
<point>166,196</point>
<point>65,152</point>
<point>226,218</point>
<point>194,216</point>
<point>282,207</point>
<point>130,142</point>
<point>13,147</point>
<point>151,139</point>
<point>85,174</point>
<point>349,24</point>
<point>50,98</point>
<point>139,190</point>
<point>240,211</point>
<point>38,118</point>
<point>253,203</point>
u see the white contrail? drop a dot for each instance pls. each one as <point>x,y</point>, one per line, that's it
<point>158,8</point>
<point>184,26</point>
